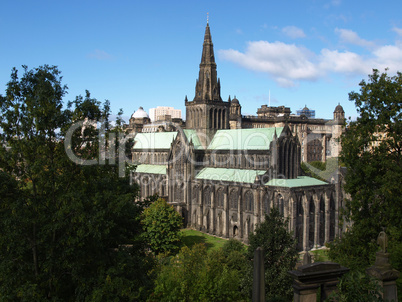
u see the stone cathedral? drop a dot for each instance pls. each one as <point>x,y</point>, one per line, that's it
<point>224,180</point>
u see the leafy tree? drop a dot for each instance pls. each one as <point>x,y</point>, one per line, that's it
<point>280,255</point>
<point>236,255</point>
<point>356,286</point>
<point>162,224</point>
<point>220,278</point>
<point>178,280</point>
<point>195,275</point>
<point>353,250</point>
<point>371,151</point>
<point>70,232</point>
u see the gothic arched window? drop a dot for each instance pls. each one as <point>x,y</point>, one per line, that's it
<point>265,203</point>
<point>249,201</point>
<point>179,193</point>
<point>195,194</point>
<point>207,196</point>
<point>280,205</point>
<point>233,199</point>
<point>220,198</point>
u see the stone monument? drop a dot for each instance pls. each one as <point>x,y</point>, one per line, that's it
<point>382,270</point>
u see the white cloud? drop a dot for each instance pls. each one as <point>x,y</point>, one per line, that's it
<point>398,30</point>
<point>342,62</point>
<point>289,64</point>
<point>285,62</point>
<point>389,56</point>
<point>101,55</point>
<point>293,32</point>
<point>349,36</point>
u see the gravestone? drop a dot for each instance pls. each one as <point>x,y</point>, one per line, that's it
<point>383,272</point>
<point>309,279</point>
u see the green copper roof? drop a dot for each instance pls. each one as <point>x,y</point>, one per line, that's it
<point>152,169</point>
<point>155,140</point>
<point>301,181</point>
<point>192,136</point>
<point>244,139</point>
<point>234,175</point>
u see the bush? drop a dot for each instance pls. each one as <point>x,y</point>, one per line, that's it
<point>162,226</point>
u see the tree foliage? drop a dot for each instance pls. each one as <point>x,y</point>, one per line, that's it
<point>356,286</point>
<point>371,152</point>
<point>162,224</point>
<point>280,255</point>
<point>69,231</point>
<point>195,275</point>
<point>353,250</point>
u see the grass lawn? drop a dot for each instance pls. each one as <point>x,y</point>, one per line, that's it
<point>191,237</point>
<point>320,255</point>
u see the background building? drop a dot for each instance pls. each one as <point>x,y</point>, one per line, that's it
<point>141,122</point>
<point>159,113</point>
<point>318,137</point>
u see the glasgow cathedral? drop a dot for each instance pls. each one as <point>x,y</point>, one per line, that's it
<point>223,171</point>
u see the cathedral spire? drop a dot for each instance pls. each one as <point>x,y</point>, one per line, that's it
<point>208,48</point>
<point>207,113</point>
<point>208,85</point>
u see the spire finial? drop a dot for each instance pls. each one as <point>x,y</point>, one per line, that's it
<point>207,18</point>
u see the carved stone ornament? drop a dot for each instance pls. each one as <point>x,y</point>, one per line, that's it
<point>382,241</point>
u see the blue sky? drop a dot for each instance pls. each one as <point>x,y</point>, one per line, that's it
<point>146,53</point>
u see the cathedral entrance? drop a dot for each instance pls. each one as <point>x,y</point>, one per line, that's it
<point>235,231</point>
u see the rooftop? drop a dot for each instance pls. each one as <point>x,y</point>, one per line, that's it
<point>300,181</point>
<point>152,169</point>
<point>140,113</point>
<point>233,175</point>
<point>192,136</point>
<point>154,140</point>
<point>244,139</point>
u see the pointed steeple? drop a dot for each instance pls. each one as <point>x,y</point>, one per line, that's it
<point>208,48</point>
<point>207,113</point>
<point>208,86</point>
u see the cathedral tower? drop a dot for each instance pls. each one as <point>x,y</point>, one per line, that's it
<point>207,112</point>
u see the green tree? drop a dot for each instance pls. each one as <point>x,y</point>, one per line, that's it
<point>220,278</point>
<point>280,255</point>
<point>69,231</point>
<point>371,152</point>
<point>178,280</point>
<point>195,275</point>
<point>356,286</point>
<point>162,224</point>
